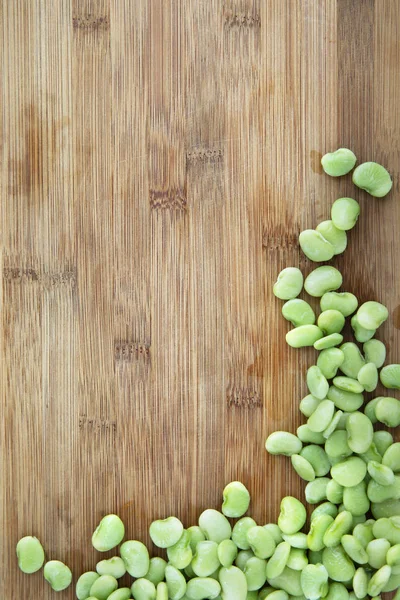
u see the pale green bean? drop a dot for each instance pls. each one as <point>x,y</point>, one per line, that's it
<point>315,246</point>
<point>289,283</point>
<point>374,179</point>
<point>30,554</point>
<point>338,163</point>
<point>236,499</point>
<point>298,312</point>
<point>344,213</point>
<point>321,280</point>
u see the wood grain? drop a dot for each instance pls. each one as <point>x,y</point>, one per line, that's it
<point>158,162</point>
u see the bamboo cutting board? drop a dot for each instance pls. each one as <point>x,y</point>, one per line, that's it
<point>159,159</point>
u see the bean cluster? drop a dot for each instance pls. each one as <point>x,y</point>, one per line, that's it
<point>351,547</point>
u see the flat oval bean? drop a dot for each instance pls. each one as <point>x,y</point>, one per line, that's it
<point>114,566</point>
<point>297,559</point>
<point>318,459</point>
<point>315,246</point>
<point>322,416</point>
<point>375,352</point>
<point>143,589</point>
<point>136,558</point>
<point>316,490</point>
<point>376,552</point>
<point>261,542</point>
<point>342,524</point>
<point>314,581</point>
<point>156,571</point>
<point>349,472</point>
<point>303,467</point>
<point>292,515</point>
<point>180,554</point>
<point>202,588</point>
<point>306,435</point>
<point>334,492</point>
<point>329,362</point>
<point>30,554</point>
<point>84,583</point>
<point>328,341</point>
<point>348,384</point>
<point>317,383</point>
<point>305,335</point>
<point>374,179</point>
<point>379,580</point>
<point>353,360</point>
<point>344,213</point>
<point>103,587</point>
<point>318,527</point>
<point>205,560</point>
<point>354,549</point>
<point>391,457</point>
<point>289,283</point>
<point>175,581</point>
<point>390,376</point>
<point>227,552</point>
<point>337,446</point>
<point>283,442</point>
<point>360,583</point>
<point>359,432</point>
<point>331,321</point>
<point>372,314</point>
<point>278,561</point>
<point>165,532</point>
<point>338,564</point>
<point>368,377</point>
<point>298,312</point>
<point>58,575</point>
<point>255,573</point>
<point>338,163</point>
<point>355,499</point>
<point>236,499</point>
<point>321,280</point>
<point>393,555</point>
<point>361,333</point>
<point>344,400</point>
<point>239,532</point>
<point>336,237</point>
<point>308,404</point>
<point>215,525</point>
<point>380,473</point>
<point>108,534</point>
<point>387,411</point>
<point>233,583</point>
<point>344,302</point>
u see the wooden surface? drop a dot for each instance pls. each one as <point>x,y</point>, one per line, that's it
<point>159,159</point>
